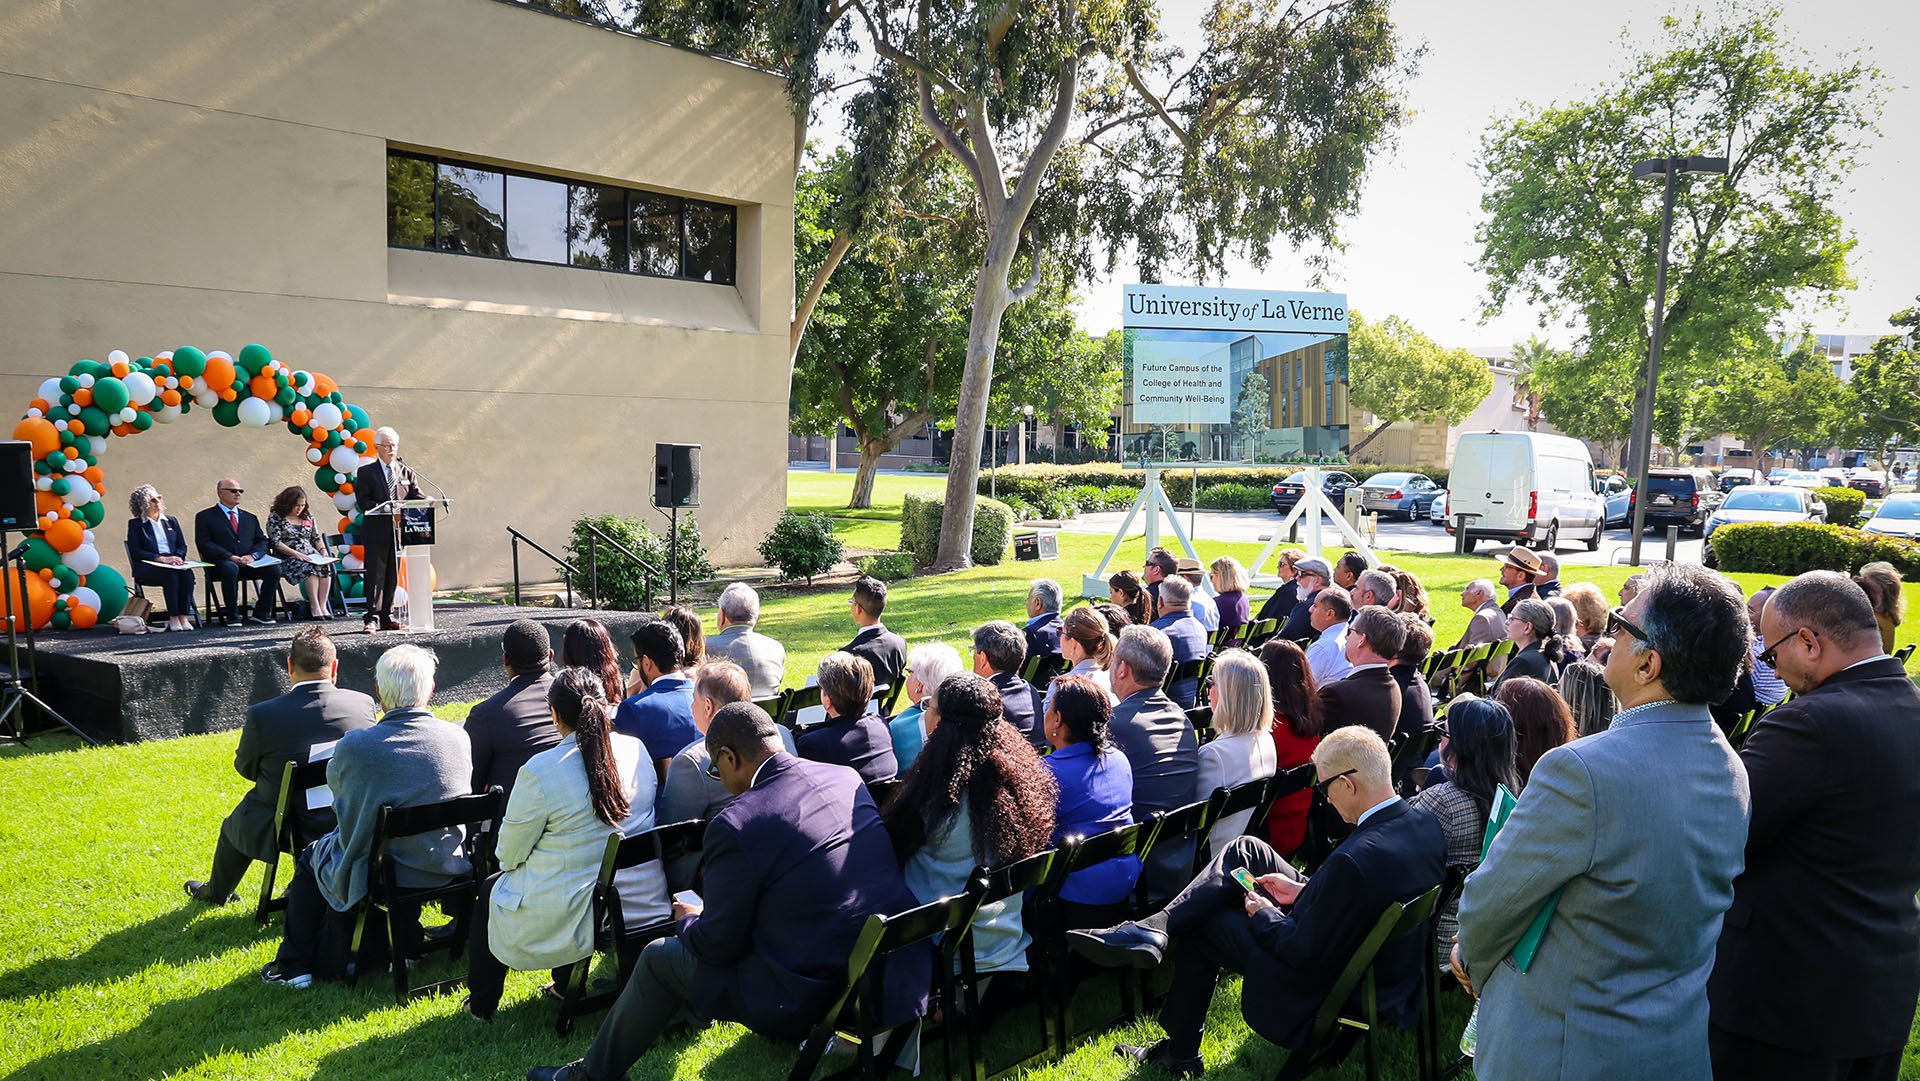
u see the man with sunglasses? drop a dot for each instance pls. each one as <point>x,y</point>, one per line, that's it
<point>1819,962</point>
<point>1291,937</point>
<point>232,541</point>
<point>1635,835</point>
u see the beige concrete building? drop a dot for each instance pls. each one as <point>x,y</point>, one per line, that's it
<point>182,172</point>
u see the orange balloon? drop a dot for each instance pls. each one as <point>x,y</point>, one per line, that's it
<point>95,474</point>
<point>229,395</point>
<point>82,616</point>
<point>299,416</point>
<point>400,574</point>
<point>46,574</point>
<point>36,606</point>
<point>41,433</point>
<point>169,397</point>
<point>263,386</point>
<point>347,488</point>
<point>83,396</point>
<point>323,385</point>
<point>121,368</point>
<point>187,381</point>
<point>44,502</point>
<point>365,435</point>
<point>345,523</point>
<point>359,552</point>
<point>219,374</point>
<point>40,404</point>
<point>76,427</point>
<point>65,535</point>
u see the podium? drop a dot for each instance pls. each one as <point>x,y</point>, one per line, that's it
<point>413,547</point>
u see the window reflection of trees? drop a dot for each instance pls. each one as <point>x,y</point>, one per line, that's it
<point>409,202</point>
<point>597,227</point>
<point>710,243</point>
<point>656,234</point>
<point>472,211</point>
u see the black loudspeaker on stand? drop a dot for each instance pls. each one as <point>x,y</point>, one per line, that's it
<point>18,515</point>
<point>676,484</point>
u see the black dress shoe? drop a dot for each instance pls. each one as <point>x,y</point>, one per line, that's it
<point>198,891</point>
<point>258,622</point>
<point>1157,1057</point>
<point>572,1071</point>
<point>1120,946</point>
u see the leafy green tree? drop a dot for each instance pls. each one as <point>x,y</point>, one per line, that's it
<point>1567,229</point>
<point>1398,373</point>
<point>1255,413</point>
<point>1587,398</point>
<point>1883,401</point>
<point>1768,396</point>
<point>1525,359</point>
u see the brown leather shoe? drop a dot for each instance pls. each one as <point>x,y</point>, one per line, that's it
<point>392,625</point>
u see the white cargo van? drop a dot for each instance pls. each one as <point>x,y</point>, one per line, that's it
<point>1525,488</point>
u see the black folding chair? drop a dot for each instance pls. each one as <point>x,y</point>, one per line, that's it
<point>387,896</point>
<point>1201,717</point>
<point>884,791</point>
<point>883,694</point>
<point>1904,653</point>
<point>775,707</point>
<point>612,932</point>
<point>1078,853</point>
<point>1183,829</point>
<point>1040,668</point>
<point>1435,981</point>
<point>1195,670</point>
<point>1259,631</point>
<point>795,700</point>
<point>1014,880</point>
<point>295,779</point>
<point>1334,1034</point>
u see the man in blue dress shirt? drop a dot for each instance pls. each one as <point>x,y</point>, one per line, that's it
<point>661,715</point>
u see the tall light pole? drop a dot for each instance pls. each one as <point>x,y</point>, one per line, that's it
<point>1640,456</point>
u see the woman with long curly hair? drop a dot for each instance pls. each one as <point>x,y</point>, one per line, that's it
<point>978,795</point>
<point>586,644</point>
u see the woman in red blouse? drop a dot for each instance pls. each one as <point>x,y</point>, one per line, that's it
<point>1296,732</point>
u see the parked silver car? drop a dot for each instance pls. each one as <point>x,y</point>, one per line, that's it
<point>1407,495</point>
<point>1899,516</point>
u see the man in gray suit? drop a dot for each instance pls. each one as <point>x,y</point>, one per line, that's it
<point>1640,830</point>
<point>763,659</point>
<point>409,759</point>
<point>1489,623</point>
<point>1158,740</point>
<point>312,713</point>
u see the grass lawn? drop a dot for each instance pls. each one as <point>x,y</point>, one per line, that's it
<point>107,971</point>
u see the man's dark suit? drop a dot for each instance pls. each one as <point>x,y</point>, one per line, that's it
<point>1290,959</point>
<point>218,542</point>
<point>1548,588</point>
<point>1416,714</point>
<point>1159,742</point>
<point>1043,634</point>
<point>508,728</point>
<point>1280,605</point>
<point>1017,700</point>
<point>1297,627</point>
<point>378,532</point>
<point>1368,696</point>
<point>1820,953</point>
<point>278,731</point>
<point>884,650</point>
<point>1521,592</point>
<point>1189,640</point>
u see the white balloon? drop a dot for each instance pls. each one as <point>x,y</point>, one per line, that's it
<point>76,465</point>
<point>343,501</point>
<point>79,491</point>
<point>165,354</point>
<point>326,415</point>
<point>35,413</point>
<point>119,356</point>
<point>343,459</point>
<point>127,415</point>
<point>85,380</point>
<point>399,596</point>
<point>50,390</point>
<point>352,562</point>
<point>86,536</point>
<point>254,412</point>
<point>315,454</point>
<point>206,398</point>
<point>303,382</point>
<point>166,414</point>
<point>98,443</point>
<point>220,353</point>
<point>73,410</point>
<point>140,387</point>
<point>43,484</point>
<point>84,560</point>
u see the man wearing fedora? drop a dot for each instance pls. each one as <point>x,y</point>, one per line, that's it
<point>1518,572</point>
<point>1201,603</point>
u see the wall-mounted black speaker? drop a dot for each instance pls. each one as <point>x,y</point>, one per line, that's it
<point>676,475</point>
<point>16,486</point>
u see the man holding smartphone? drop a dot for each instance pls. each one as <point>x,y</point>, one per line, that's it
<point>1250,912</point>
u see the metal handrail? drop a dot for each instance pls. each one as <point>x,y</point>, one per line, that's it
<point>567,569</point>
<point>594,536</point>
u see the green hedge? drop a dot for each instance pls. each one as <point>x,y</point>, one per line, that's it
<point>887,566</point>
<point>1235,497</point>
<point>625,584</point>
<point>920,528</point>
<point>801,546</point>
<point>1033,483</point>
<point>1798,547</point>
<point>1843,505</point>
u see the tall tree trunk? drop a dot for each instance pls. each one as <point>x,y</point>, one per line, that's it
<point>870,452</point>
<point>990,298</point>
<point>1353,452</point>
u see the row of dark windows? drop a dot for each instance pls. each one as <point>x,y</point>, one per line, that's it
<point>452,206</point>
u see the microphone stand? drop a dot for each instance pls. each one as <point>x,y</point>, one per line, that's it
<point>446,501</point>
<point>13,693</point>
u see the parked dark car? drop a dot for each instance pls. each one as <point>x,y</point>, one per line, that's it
<point>1333,485</point>
<point>1682,497</point>
<point>1868,485</point>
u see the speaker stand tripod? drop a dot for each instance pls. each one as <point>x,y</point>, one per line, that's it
<point>15,694</point>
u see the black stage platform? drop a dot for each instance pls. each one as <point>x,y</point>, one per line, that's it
<point>152,686</point>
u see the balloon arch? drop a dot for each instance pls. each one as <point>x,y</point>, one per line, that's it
<point>67,583</point>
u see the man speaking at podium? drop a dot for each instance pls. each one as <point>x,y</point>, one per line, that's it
<point>387,478</point>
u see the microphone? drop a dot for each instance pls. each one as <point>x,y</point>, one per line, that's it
<point>446,503</point>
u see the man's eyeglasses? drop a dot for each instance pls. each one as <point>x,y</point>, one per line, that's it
<point>235,491</point>
<point>1617,622</point>
<point>713,770</point>
<point>1770,654</point>
<point>1322,786</point>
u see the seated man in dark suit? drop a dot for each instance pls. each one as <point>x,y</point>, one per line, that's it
<point>792,869</point>
<point>1416,699</point>
<point>1043,617</point>
<point>1159,742</point>
<point>853,735</point>
<point>231,539</point>
<point>278,731</point>
<point>661,715</point>
<point>1184,634</point>
<point>514,724</point>
<point>1368,694</point>
<point>884,651</point>
<point>409,759</point>
<point>1315,576</point>
<point>1818,965</point>
<point>998,650</point>
<point>1290,955</point>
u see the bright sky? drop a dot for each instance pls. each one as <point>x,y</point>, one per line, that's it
<point>1410,249</point>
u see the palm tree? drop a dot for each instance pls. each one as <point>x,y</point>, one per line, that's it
<point>1524,359</point>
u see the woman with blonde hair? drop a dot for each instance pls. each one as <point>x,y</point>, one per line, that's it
<point>1085,644</point>
<point>1882,584</point>
<point>1240,750</point>
<point>1230,594</point>
<point>1589,610</point>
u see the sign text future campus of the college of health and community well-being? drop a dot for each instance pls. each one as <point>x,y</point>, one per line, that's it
<point>1183,377</point>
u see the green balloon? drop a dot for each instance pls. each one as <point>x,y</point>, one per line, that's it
<point>68,384</point>
<point>61,620</point>
<point>333,439</point>
<point>110,585</point>
<point>189,361</point>
<point>92,513</point>
<point>95,420</point>
<point>142,421</point>
<point>81,367</point>
<point>358,416</point>
<point>285,397</point>
<point>324,478</point>
<point>111,394</point>
<point>41,555</point>
<point>61,486</point>
<point>227,413</point>
<point>254,356</point>
<point>57,460</point>
<point>144,364</point>
<point>65,578</point>
<point>42,467</point>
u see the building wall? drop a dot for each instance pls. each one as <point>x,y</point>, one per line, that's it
<point>1432,443</point>
<point>215,174</point>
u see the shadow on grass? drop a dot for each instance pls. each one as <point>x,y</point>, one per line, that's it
<point>176,936</point>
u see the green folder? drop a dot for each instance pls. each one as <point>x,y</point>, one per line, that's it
<point>1504,801</point>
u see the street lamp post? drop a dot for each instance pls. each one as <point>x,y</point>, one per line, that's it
<point>1669,170</point>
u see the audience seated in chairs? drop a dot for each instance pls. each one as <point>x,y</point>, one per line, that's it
<point>231,539</point>
<point>1367,694</point>
<point>1546,583</point>
<point>1289,957</point>
<point>1296,732</point>
<point>1229,580</point>
<point>1096,789</point>
<point>1477,751</point>
<point>1348,569</point>
<point>1589,612</point>
<point>1115,617</point>
<point>154,536</point>
<point>1530,626</point>
<point>693,642</point>
<point>1205,612</point>
<point>1158,740</point>
<point>852,735</point>
<point>1541,721</point>
<point>537,911</point>
<point>661,715</point>
<point>1159,567</point>
<point>928,666</point>
<point>884,651</point>
<point>586,644</point>
<point>514,723</point>
<point>1374,587</point>
<point>1583,687</point>
<point>1313,577</point>
<point>792,869</point>
<point>979,796</point>
<point>1768,688</point>
<point>1042,631</point>
<point>280,730</point>
<point>1410,597</point>
<point>1489,623</point>
<point>998,652</point>
<point>1279,604</point>
<point>1880,581</point>
<point>1566,621</point>
<point>1328,616</point>
<point>1185,636</point>
<point>1241,749</point>
<point>1086,644</point>
<point>1131,596</point>
<point>1416,698</point>
<point>763,659</point>
<point>1658,800</point>
<point>690,791</point>
<point>1518,569</point>
<point>408,759</point>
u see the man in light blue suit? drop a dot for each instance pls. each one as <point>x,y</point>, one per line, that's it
<point>1640,830</point>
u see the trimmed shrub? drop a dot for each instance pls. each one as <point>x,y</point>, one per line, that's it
<point>887,566</point>
<point>1843,505</point>
<point>801,546</point>
<point>1798,547</point>
<point>1057,505</point>
<point>920,528</point>
<point>624,583</point>
<point>1032,482</point>
<point>1234,497</point>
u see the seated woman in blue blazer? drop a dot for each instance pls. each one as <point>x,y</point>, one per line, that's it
<point>154,536</point>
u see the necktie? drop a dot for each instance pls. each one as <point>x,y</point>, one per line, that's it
<point>233,519</point>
